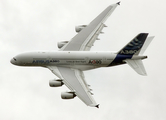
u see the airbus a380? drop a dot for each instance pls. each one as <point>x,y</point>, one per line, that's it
<point>74,57</point>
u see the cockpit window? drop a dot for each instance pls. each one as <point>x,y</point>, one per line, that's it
<point>15,59</point>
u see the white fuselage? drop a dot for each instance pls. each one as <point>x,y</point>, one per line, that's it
<point>76,59</point>
<point>82,60</point>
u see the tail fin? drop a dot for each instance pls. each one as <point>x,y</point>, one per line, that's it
<point>137,46</point>
<point>146,44</point>
<point>134,46</point>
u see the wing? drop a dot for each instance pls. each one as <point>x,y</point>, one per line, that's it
<point>74,80</point>
<point>84,40</point>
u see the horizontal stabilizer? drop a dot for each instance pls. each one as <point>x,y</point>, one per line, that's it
<point>137,65</point>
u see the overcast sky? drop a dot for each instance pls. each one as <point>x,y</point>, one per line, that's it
<point>27,25</point>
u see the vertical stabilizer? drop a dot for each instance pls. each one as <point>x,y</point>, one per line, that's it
<point>132,53</point>
<point>146,44</point>
<point>134,46</point>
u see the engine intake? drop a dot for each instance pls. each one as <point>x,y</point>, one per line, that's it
<point>55,83</point>
<point>79,28</point>
<point>61,44</point>
<point>67,95</point>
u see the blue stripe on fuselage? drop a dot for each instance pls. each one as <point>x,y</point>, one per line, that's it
<point>119,59</point>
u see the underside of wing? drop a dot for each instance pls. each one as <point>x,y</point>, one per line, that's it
<point>74,80</point>
<point>84,40</point>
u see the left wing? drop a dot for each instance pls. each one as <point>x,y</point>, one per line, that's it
<point>86,37</point>
<point>74,80</point>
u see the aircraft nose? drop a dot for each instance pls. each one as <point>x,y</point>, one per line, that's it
<point>13,61</point>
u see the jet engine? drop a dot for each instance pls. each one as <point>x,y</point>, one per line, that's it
<point>67,95</point>
<point>61,44</point>
<point>55,83</point>
<point>79,28</point>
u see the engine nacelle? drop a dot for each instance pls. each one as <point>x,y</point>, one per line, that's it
<point>67,95</point>
<point>55,83</point>
<point>79,28</point>
<point>61,44</point>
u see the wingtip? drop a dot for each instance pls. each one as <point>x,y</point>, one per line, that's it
<point>118,3</point>
<point>94,105</point>
<point>97,106</point>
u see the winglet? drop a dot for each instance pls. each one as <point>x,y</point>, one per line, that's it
<point>94,105</point>
<point>97,106</point>
<point>118,3</point>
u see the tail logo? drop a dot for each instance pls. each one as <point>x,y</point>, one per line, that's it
<point>135,45</point>
<point>128,51</point>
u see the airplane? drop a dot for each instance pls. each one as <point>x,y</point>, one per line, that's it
<point>74,57</point>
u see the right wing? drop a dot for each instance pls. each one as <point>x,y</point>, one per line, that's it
<point>74,80</point>
<point>84,40</point>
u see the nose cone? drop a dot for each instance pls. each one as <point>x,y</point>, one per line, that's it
<point>13,61</point>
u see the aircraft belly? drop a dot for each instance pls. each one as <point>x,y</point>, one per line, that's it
<point>79,67</point>
<point>79,60</point>
<point>84,65</point>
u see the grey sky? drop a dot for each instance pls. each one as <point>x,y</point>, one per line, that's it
<point>123,94</point>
